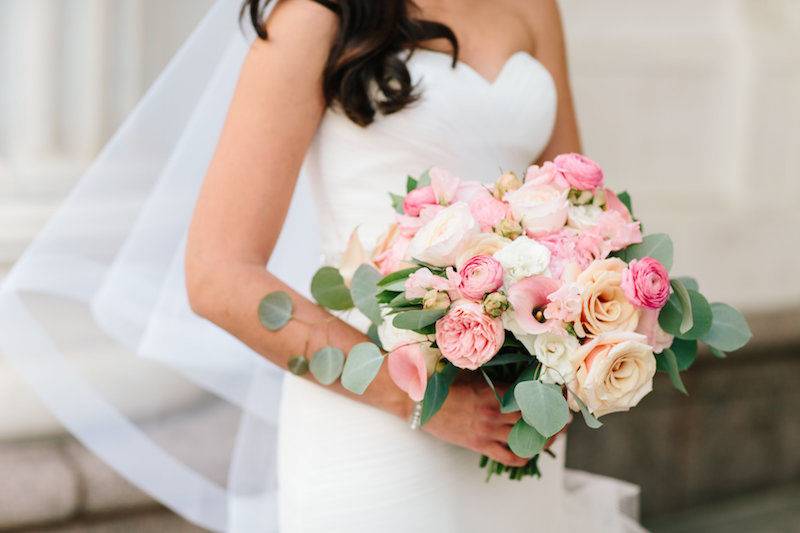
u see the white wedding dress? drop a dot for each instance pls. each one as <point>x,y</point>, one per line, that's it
<point>346,467</point>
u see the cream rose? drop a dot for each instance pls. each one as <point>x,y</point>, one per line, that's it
<point>541,208</point>
<point>558,355</point>
<point>480,244</point>
<point>604,306</point>
<point>583,217</point>
<point>392,338</point>
<point>616,371</point>
<point>439,241</point>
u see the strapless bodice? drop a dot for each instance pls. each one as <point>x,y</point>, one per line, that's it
<point>461,122</point>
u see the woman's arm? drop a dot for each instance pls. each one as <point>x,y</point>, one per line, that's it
<point>548,31</point>
<point>275,112</point>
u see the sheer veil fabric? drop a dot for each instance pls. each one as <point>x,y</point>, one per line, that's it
<point>101,290</point>
<point>114,252</point>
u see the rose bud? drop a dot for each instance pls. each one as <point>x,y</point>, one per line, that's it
<point>495,304</point>
<point>434,299</point>
<point>505,183</point>
<point>510,229</point>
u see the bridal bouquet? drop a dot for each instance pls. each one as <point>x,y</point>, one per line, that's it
<point>545,283</point>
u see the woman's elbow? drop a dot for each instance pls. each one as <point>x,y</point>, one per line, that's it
<point>201,282</point>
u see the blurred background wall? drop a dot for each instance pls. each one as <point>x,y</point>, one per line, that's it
<point>690,106</point>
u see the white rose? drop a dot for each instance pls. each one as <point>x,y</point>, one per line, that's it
<point>439,241</point>
<point>583,216</point>
<point>616,371</point>
<point>541,208</point>
<point>393,338</point>
<point>480,244</point>
<point>522,258</point>
<point>558,355</point>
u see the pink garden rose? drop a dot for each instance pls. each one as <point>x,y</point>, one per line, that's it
<point>547,174</point>
<point>579,171</point>
<point>479,276</point>
<point>648,326</point>
<point>529,297</point>
<point>646,283</point>
<point>409,367</point>
<point>487,210</point>
<point>417,199</point>
<point>444,185</point>
<point>467,336</point>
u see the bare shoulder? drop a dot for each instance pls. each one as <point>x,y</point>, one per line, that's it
<point>543,20</point>
<point>304,25</point>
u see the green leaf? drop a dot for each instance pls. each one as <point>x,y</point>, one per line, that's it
<point>417,318</point>
<point>372,333</point>
<point>329,290</point>
<point>327,364</point>
<point>362,365</point>
<point>508,358</point>
<point>363,290</point>
<point>588,417</point>
<point>395,286</point>
<point>411,183</point>
<point>399,275</point>
<point>686,306</point>
<point>667,362</point>
<point>436,391</point>
<point>543,406</point>
<point>717,353</point>
<point>424,179</point>
<point>275,310</point>
<point>491,386</point>
<point>729,330</point>
<point>298,365</point>
<point>685,352</point>
<point>509,403</point>
<point>525,441</point>
<point>401,301</point>
<point>689,283</point>
<point>671,317</point>
<point>625,198</point>
<point>658,246</point>
<point>397,202</point>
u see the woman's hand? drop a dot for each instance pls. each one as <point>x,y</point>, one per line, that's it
<point>471,418</point>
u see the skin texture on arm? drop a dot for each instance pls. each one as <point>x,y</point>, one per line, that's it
<point>275,112</point>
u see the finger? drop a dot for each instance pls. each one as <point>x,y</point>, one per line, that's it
<point>507,418</point>
<point>500,433</point>
<point>502,454</point>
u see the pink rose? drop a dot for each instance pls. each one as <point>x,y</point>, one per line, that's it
<point>547,174</point>
<point>648,326</point>
<point>409,367</point>
<point>487,210</point>
<point>579,171</point>
<point>444,185</point>
<point>417,199</point>
<point>479,276</point>
<point>540,208</point>
<point>467,336</point>
<point>646,283</point>
<point>529,297</point>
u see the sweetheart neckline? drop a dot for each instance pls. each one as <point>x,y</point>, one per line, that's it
<point>469,68</point>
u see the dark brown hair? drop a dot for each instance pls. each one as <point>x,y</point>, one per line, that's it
<point>366,52</point>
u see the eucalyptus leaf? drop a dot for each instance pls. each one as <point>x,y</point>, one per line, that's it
<point>685,352</point>
<point>525,441</point>
<point>362,365</point>
<point>298,365</point>
<point>327,364</point>
<point>417,319</point>
<point>717,353</point>
<point>509,403</point>
<point>275,310</point>
<point>399,275</point>
<point>394,286</point>
<point>372,333</point>
<point>436,391</point>
<point>687,321</point>
<point>329,290</point>
<point>397,202</point>
<point>543,406</point>
<point>363,289</point>
<point>667,362</point>
<point>588,417</point>
<point>670,317</point>
<point>688,282</point>
<point>729,330</point>
<point>658,246</point>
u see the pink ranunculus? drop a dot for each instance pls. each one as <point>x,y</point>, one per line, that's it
<point>648,326</point>
<point>579,171</point>
<point>565,303</point>
<point>417,199</point>
<point>409,368</point>
<point>444,185</point>
<point>646,283</point>
<point>479,276</point>
<point>529,298</point>
<point>547,174</point>
<point>487,210</point>
<point>467,336</point>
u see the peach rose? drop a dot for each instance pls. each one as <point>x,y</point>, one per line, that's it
<point>616,371</point>
<point>467,336</point>
<point>604,306</point>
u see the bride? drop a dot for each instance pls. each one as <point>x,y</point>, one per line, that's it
<point>360,92</point>
<point>335,103</point>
